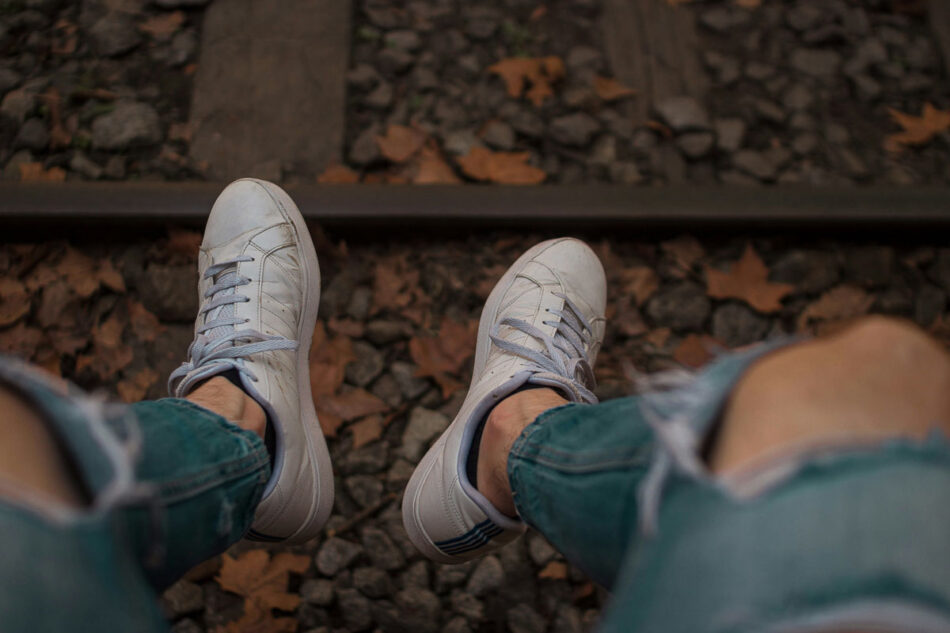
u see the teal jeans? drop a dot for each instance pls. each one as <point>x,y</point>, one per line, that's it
<point>168,485</point>
<point>837,540</point>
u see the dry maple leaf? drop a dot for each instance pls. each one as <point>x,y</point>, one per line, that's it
<point>145,326</point>
<point>334,410</point>
<point>134,388</point>
<point>748,281</point>
<point>110,355</point>
<point>400,143</point>
<point>540,72</point>
<point>183,242</point>
<point>684,250</point>
<point>162,27</point>
<point>658,337</point>
<point>346,327</point>
<point>555,570</point>
<point>367,430</point>
<point>395,285</point>
<point>609,89</point>
<point>14,301</point>
<point>21,340</point>
<point>34,172</point>
<point>262,581</point>
<point>445,354</point>
<point>328,361</point>
<point>338,175</point>
<point>840,304</point>
<point>639,281</point>
<point>506,168</point>
<point>917,130</point>
<point>695,350</point>
<point>433,170</point>
<point>59,136</point>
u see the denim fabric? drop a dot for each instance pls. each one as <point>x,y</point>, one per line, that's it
<point>169,485</point>
<point>838,540</point>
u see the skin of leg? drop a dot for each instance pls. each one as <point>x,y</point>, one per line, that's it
<point>220,395</point>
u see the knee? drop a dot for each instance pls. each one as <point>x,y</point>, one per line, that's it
<point>891,340</point>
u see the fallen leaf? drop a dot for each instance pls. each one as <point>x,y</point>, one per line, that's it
<point>65,39</point>
<point>338,175</point>
<point>540,72</point>
<point>684,251</point>
<point>610,89</point>
<point>110,355</point>
<point>262,581</point>
<point>395,285</point>
<point>509,168</point>
<point>841,303</point>
<point>59,136</point>
<point>14,301</point>
<point>21,340</point>
<point>440,356</point>
<point>433,170</point>
<point>400,143</point>
<point>639,281</point>
<point>748,281</point>
<point>916,130</point>
<point>658,337</point>
<point>34,172</point>
<point>539,12</point>
<point>555,570</point>
<point>133,389</point>
<point>627,318</point>
<point>346,327</point>
<point>109,276</point>
<point>180,132</point>
<point>490,277</point>
<point>80,271</point>
<point>328,361</point>
<point>582,591</point>
<point>183,242</point>
<point>145,326</point>
<point>367,430</point>
<point>695,350</point>
<point>163,26</point>
<point>256,621</point>
<point>58,305</point>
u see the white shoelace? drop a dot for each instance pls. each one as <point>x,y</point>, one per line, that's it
<point>564,361</point>
<point>216,346</point>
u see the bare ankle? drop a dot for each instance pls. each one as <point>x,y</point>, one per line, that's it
<point>503,426</point>
<point>221,396</point>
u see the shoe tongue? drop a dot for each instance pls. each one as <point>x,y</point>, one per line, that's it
<point>222,312</point>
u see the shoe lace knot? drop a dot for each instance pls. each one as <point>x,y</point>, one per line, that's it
<point>219,346</point>
<point>564,362</point>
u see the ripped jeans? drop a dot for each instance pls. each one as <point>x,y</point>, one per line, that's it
<point>169,484</point>
<point>836,540</point>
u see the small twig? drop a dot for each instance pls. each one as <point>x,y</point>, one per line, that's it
<point>361,516</point>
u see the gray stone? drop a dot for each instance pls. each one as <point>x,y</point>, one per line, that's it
<point>816,62</point>
<point>114,34</point>
<point>604,151</point>
<point>335,555</point>
<point>82,164</point>
<point>527,123</point>
<point>683,114</point>
<point>870,265</point>
<point>580,57</point>
<point>468,606</point>
<point>802,121</point>
<point>182,598</point>
<point>695,145</point>
<point>574,129</point>
<point>498,135</point>
<point>617,124</point>
<point>362,77</point>
<point>450,576</point>
<point>683,306</point>
<point>421,610</point>
<point>567,619</point>
<point>365,150</point>
<point>9,79</point>
<point>373,583</point>
<point>130,124</point>
<point>759,71</point>
<point>115,168</point>
<point>17,104</point>
<point>32,135</point>
<point>487,577</point>
<point>182,48</point>
<point>540,551</point>
<point>424,426</point>
<point>381,97</point>
<point>394,60</point>
<point>416,576</point>
<point>769,111</point>
<point>798,97</point>
<point>460,142</point>
<point>625,173</point>
<point>481,23</point>
<point>366,460</point>
<point>384,331</point>
<point>369,364</point>
<point>836,134</point>
<point>803,17</point>
<point>725,68</point>
<point>318,592</point>
<point>736,325</point>
<point>187,625</point>
<point>365,490</point>
<point>245,113</point>
<point>866,87</point>
<point>11,171</point>
<point>730,133</point>
<point>312,618</point>
<point>850,163</point>
<point>403,39</point>
<point>869,53</point>
<point>457,625</point>
<point>175,4</point>
<point>939,271</point>
<point>755,164</point>
<point>170,291</point>
<point>356,609</point>
<point>425,78</point>
<point>524,619</point>
<point>381,550</point>
<point>723,19</point>
<point>804,144</point>
<point>929,304</point>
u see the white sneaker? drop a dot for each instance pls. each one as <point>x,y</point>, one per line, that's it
<point>542,325</point>
<point>259,289</point>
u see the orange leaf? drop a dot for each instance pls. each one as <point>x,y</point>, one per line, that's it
<point>695,350</point>
<point>14,301</point>
<point>262,581</point>
<point>162,27</point>
<point>395,284</point>
<point>555,570</point>
<point>59,136</point>
<point>658,337</point>
<point>367,430</point>
<point>610,89</point>
<point>748,281</point>
<point>841,303</point>
<point>917,130</point>
<point>639,281</point>
<point>400,143</point>
<point>445,354</point>
<point>684,250</point>
<point>34,172</point>
<point>509,168</point>
<point>539,12</point>
<point>433,170</point>
<point>540,72</point>
<point>109,276</point>
<point>145,325</point>
<point>183,242</point>
<point>110,355</point>
<point>338,175</point>
<point>475,164</point>
<point>328,361</point>
<point>133,389</point>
